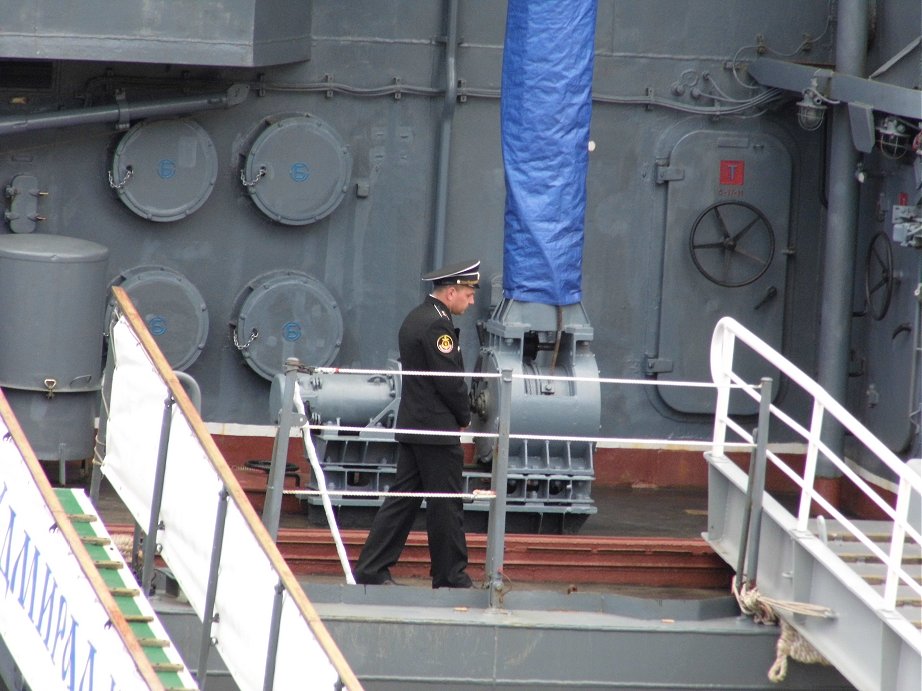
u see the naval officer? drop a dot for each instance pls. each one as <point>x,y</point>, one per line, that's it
<point>428,342</point>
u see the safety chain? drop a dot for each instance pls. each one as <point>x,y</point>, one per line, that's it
<point>254,334</point>
<point>261,173</point>
<point>129,171</point>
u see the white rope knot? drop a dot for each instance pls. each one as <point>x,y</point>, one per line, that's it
<point>790,643</point>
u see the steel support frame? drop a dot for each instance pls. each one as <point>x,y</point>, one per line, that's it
<point>886,98</point>
<point>796,566</point>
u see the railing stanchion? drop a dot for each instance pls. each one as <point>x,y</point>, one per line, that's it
<point>721,365</point>
<point>742,575</point>
<point>275,626</point>
<point>810,463</point>
<point>212,587</point>
<point>903,496</point>
<point>757,478</point>
<point>496,529</point>
<point>272,509</point>
<point>99,448</point>
<point>153,524</point>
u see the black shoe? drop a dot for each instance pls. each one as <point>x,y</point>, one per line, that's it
<point>463,582</point>
<point>386,581</point>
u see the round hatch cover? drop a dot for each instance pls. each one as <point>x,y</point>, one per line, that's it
<point>164,170</point>
<point>173,310</point>
<point>298,170</point>
<point>287,314</point>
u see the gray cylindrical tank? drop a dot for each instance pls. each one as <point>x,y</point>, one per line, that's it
<point>51,315</point>
<point>51,331</point>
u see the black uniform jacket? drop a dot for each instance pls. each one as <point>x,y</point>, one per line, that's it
<point>428,342</point>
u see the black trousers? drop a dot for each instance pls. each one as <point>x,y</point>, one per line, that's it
<point>420,468</point>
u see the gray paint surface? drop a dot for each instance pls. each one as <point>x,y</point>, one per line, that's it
<point>374,75</point>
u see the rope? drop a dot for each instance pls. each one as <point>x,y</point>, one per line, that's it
<point>476,494</point>
<point>790,643</point>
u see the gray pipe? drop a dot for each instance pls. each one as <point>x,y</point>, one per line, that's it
<point>448,114</point>
<point>841,227</point>
<point>123,113</point>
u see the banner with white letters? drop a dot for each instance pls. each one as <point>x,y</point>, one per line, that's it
<point>51,619</point>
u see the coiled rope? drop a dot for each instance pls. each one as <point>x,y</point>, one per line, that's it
<point>790,643</point>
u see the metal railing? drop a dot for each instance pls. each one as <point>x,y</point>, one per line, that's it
<point>726,334</point>
<point>293,416</point>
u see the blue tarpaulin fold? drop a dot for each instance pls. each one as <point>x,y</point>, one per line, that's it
<point>545,110</point>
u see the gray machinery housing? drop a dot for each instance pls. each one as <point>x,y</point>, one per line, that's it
<point>549,482</point>
<point>52,312</point>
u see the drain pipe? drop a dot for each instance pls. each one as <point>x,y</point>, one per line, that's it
<point>841,227</point>
<point>448,114</point>
<point>123,113</point>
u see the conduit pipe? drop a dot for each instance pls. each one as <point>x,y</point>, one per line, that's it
<point>122,113</point>
<point>841,226</point>
<point>448,115</point>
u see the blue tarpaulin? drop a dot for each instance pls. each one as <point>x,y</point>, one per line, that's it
<point>545,109</point>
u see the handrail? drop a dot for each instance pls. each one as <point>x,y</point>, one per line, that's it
<point>726,333</point>
<point>249,558</point>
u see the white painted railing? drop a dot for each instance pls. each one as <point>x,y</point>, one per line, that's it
<point>726,334</point>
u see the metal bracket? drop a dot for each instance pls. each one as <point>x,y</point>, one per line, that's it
<point>654,365</point>
<point>667,173</point>
<point>887,98</point>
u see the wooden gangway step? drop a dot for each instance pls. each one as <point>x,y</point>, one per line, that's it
<point>137,611</point>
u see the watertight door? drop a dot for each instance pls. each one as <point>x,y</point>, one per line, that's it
<point>727,218</point>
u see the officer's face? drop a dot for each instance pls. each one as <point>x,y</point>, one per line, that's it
<point>460,298</point>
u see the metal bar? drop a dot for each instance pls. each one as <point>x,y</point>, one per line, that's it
<point>448,114</point>
<point>99,449</point>
<point>122,111</point>
<point>841,227</point>
<point>888,98</point>
<point>317,470</point>
<point>903,496</point>
<point>758,484</point>
<point>274,628</point>
<point>135,549</point>
<point>272,508</point>
<point>150,541</point>
<point>810,463</point>
<point>741,575</point>
<point>192,388</point>
<point>722,345</point>
<point>217,545</point>
<point>496,528</point>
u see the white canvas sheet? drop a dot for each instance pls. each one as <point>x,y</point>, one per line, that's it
<point>247,579</point>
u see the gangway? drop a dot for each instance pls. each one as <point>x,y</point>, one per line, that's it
<point>72,616</point>
<point>170,475</point>
<point>847,592</point>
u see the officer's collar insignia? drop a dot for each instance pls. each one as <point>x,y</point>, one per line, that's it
<point>444,343</point>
